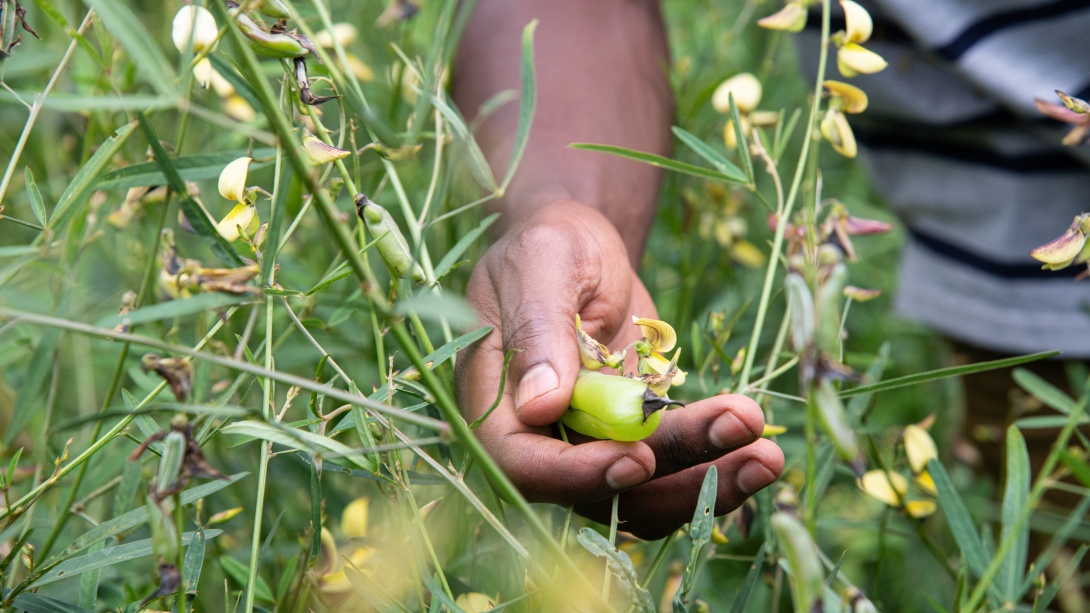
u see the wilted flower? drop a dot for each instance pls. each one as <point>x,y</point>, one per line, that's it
<point>1071,247</point>
<point>194,24</point>
<point>319,152</point>
<point>791,18</point>
<point>593,354</point>
<point>851,57</point>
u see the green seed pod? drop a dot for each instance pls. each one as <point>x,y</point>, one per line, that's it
<point>281,45</point>
<point>170,464</point>
<point>274,8</point>
<point>827,309</point>
<point>807,578</point>
<point>391,242</point>
<point>830,413</point>
<point>613,407</point>
<point>801,303</point>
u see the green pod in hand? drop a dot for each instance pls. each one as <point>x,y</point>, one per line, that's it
<point>612,407</point>
<point>391,242</point>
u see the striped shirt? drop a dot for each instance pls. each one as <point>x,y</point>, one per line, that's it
<point>954,143</point>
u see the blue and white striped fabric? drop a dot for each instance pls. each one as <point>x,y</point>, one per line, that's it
<point>954,143</point>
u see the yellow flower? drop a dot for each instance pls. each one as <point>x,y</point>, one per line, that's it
<point>835,129</point>
<point>851,58</point>
<point>658,338</point>
<point>232,183</point>
<point>919,447</point>
<point>194,24</point>
<point>857,22</point>
<point>848,98</point>
<point>746,90</point>
<point>329,574</point>
<point>1070,247</point>
<point>888,487</point>
<point>475,602</point>
<point>243,217</point>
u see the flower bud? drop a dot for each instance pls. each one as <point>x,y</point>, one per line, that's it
<point>194,24</point>
<point>926,483</point>
<point>203,72</point>
<point>835,129</point>
<point>920,508</point>
<point>232,183</point>
<point>791,18</point>
<point>861,294</point>
<point>746,90</point>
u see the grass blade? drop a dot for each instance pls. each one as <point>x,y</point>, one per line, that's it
<point>86,176</point>
<point>456,251</point>
<point>527,103</point>
<point>755,569</point>
<point>658,161</point>
<point>30,394</point>
<point>1015,498</point>
<point>201,303</point>
<point>197,167</point>
<point>138,42</point>
<point>957,517</point>
<point>302,440</point>
<point>943,373</point>
<point>743,142</point>
<point>35,197</point>
<point>33,603</point>
<point>700,532</point>
<point>710,155</point>
<point>1043,390</point>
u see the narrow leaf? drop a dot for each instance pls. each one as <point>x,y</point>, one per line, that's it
<point>240,573</point>
<point>700,532</point>
<point>463,243</point>
<point>957,516</point>
<point>201,303</point>
<point>710,155</point>
<point>1043,390</point>
<point>1015,499</point>
<point>196,167</point>
<point>33,603</point>
<point>81,183</point>
<point>107,557</point>
<point>943,373</point>
<point>659,162</point>
<point>35,197</point>
<point>755,570</point>
<point>742,139</point>
<point>527,103</point>
<point>297,439</point>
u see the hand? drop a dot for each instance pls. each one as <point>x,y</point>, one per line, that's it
<point>566,259</point>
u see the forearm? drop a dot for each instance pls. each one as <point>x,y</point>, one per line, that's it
<point>601,78</point>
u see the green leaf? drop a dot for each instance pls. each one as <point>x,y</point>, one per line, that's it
<point>463,243</point>
<point>743,140</point>
<point>430,306</point>
<point>297,439</point>
<point>102,102</point>
<point>620,566</point>
<point>194,559</point>
<point>1043,390</point>
<point>81,183</point>
<point>35,197</point>
<point>107,557</point>
<point>1039,422</point>
<point>240,573</point>
<point>711,156</point>
<point>138,42</point>
<point>1078,467</point>
<point>39,369</point>
<point>527,103</point>
<point>478,165</point>
<point>957,516</point>
<point>196,167</point>
<point>1015,498</point>
<point>88,582</point>
<point>136,517</point>
<point>700,532</point>
<point>755,569</point>
<point>230,72</point>
<point>201,303</point>
<point>943,373</point>
<point>194,212</point>
<point>658,161</point>
<point>33,603</point>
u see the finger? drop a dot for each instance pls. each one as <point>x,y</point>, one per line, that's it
<point>551,470</point>
<point>549,270</point>
<point>657,508</point>
<point>703,431</point>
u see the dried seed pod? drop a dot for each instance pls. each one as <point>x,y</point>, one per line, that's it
<point>614,407</point>
<point>391,243</point>
<point>807,578</point>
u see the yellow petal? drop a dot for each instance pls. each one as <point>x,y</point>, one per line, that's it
<point>920,508</point>
<point>857,21</point>
<point>853,99</point>
<point>233,179</point>
<point>926,483</point>
<point>845,70</point>
<point>746,90</point>
<point>242,216</point>
<point>859,60</point>
<point>747,254</point>
<point>236,107</point>
<point>1060,252</point>
<point>319,152</point>
<point>772,430</point>
<point>474,602</point>
<point>660,334</point>
<point>919,447</point>
<point>196,24</point>
<point>354,518</point>
<point>791,18</point>
<point>888,487</point>
<point>203,71</point>
<point>1077,105</point>
<point>835,129</point>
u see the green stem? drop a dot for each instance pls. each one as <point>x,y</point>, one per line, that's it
<point>786,206</point>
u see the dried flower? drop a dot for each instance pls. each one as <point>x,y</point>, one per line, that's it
<point>1070,247</point>
<point>593,354</point>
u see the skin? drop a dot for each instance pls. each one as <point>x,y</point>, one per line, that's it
<point>573,228</point>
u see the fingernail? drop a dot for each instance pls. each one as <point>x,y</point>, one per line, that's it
<point>625,473</point>
<point>728,431</point>
<point>754,476</point>
<point>537,381</point>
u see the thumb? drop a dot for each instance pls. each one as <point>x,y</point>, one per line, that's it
<point>546,360</point>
